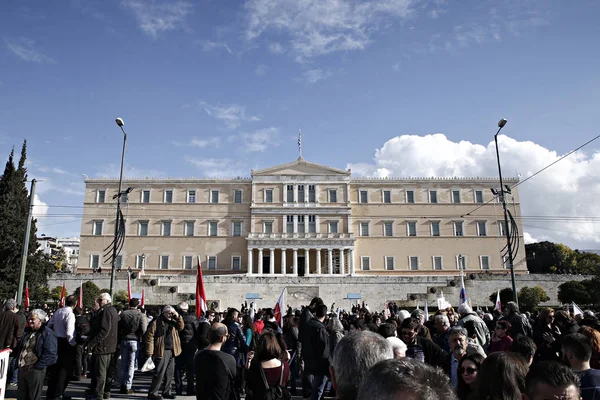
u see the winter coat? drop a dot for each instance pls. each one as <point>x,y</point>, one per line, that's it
<point>155,336</point>
<point>481,329</point>
<point>46,347</point>
<point>103,331</point>
<point>315,347</point>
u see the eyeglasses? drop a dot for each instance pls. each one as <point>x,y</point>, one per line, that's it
<point>469,370</point>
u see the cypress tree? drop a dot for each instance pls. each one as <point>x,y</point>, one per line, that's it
<point>14,210</point>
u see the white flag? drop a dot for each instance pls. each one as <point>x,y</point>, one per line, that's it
<point>577,310</point>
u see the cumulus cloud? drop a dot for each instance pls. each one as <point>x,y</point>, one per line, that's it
<point>315,75</point>
<point>208,45</point>
<point>218,167</point>
<point>261,139</point>
<point>231,115</point>
<point>26,50</point>
<point>155,17</point>
<point>559,204</point>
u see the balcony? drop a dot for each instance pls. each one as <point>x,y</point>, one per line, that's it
<point>291,240</point>
<point>258,235</point>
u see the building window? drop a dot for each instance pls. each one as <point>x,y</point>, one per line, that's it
<point>301,224</point>
<point>433,196</point>
<point>124,198</point>
<point>95,261</point>
<point>168,196</point>
<point>388,228</point>
<point>237,228</point>
<point>214,196</point>
<point>290,193</point>
<point>101,196</point>
<point>389,263</point>
<point>139,261</point>
<point>237,196</point>
<point>364,229</point>
<point>479,196</point>
<point>364,196</point>
<point>437,263</point>
<point>410,196</point>
<point>97,228</point>
<point>268,227</point>
<point>300,193</point>
<point>505,263</point>
<point>268,195</point>
<point>236,263</point>
<point>365,263</point>
<point>412,228</point>
<point>413,262</point>
<point>289,224</point>
<point>166,228</point>
<point>312,195</point>
<point>435,228</point>
<point>333,227</point>
<point>212,262</point>
<point>191,197</point>
<point>189,228</point>
<point>461,262</point>
<point>387,196</point>
<point>458,228</point>
<point>143,228</point>
<point>502,228</point>
<point>485,262</point>
<point>456,196</point>
<point>312,226</point>
<point>212,228</point>
<point>332,195</point>
<point>481,228</point>
<point>145,196</point>
<point>164,262</point>
<point>187,262</point>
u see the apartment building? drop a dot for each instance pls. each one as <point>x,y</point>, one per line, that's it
<point>301,219</point>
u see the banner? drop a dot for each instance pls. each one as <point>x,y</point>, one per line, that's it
<point>3,371</point>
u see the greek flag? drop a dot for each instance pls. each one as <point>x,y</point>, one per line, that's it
<point>463,292</point>
<point>300,142</point>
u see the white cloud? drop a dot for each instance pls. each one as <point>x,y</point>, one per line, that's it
<point>25,49</point>
<point>208,45</point>
<point>231,115</point>
<point>559,204</point>
<point>261,139</point>
<point>315,75</point>
<point>155,17</point>
<point>276,48</point>
<point>40,209</point>
<point>261,70</point>
<point>213,141</point>
<point>396,67</point>
<point>113,171</point>
<point>218,167</point>
<point>317,27</point>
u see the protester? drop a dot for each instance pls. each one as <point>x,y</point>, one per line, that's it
<point>132,326</point>
<point>215,370</point>
<point>82,330</point>
<point>525,347</point>
<point>551,380</point>
<point>184,362</point>
<point>442,327</point>
<point>102,343</point>
<point>398,346</point>
<point>11,332</point>
<point>353,356</point>
<point>545,333</point>
<point>63,325</point>
<point>36,351</point>
<point>501,377</point>
<point>163,345</point>
<point>468,370</point>
<point>594,337</point>
<point>268,368</point>
<point>290,336</point>
<point>519,323</point>
<point>420,348</point>
<point>501,340</point>
<point>577,352</point>
<point>404,379</point>
<point>316,351</point>
<point>336,330</point>
<point>481,331</point>
<point>419,315</point>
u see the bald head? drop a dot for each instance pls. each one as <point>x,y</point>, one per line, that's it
<point>217,333</point>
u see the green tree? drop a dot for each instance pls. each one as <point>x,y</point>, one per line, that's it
<point>14,210</point>
<point>59,259</point>
<point>574,291</point>
<point>587,263</point>
<point>90,292</point>
<point>531,297</point>
<point>55,293</point>
<point>506,295</point>
<point>120,299</point>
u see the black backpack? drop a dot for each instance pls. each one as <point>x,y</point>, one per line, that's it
<point>278,392</point>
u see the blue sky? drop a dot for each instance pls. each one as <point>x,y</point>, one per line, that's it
<point>216,88</point>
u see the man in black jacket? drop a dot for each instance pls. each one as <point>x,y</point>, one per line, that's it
<point>132,326</point>
<point>519,323</point>
<point>420,348</point>
<point>315,350</point>
<point>102,343</point>
<point>184,363</point>
<point>82,330</point>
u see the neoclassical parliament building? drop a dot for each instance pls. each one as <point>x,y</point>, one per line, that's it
<point>301,219</point>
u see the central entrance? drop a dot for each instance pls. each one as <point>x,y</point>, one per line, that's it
<point>266,265</point>
<point>301,266</point>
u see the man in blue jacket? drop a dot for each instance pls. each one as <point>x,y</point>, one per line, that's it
<point>36,352</point>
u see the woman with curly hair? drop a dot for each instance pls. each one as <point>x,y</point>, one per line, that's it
<point>468,371</point>
<point>594,337</point>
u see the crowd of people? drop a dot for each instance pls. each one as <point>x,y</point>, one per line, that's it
<point>314,351</point>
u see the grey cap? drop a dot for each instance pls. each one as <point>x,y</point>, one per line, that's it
<point>168,309</point>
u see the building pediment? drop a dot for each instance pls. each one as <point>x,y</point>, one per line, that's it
<point>300,167</point>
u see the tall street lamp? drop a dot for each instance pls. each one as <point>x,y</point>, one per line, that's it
<point>501,124</point>
<point>120,123</point>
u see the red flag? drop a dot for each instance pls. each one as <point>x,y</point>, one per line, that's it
<point>143,302</point>
<point>280,308</point>
<point>27,294</point>
<point>80,301</point>
<point>128,287</point>
<point>201,306</point>
<point>62,295</point>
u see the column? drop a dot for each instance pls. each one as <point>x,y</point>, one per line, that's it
<point>306,262</point>
<point>295,193</point>
<point>283,262</point>
<point>284,191</point>
<point>316,195</point>
<point>317,222</point>
<point>306,193</point>
<point>250,254</point>
<point>295,218</point>
<point>342,262</point>
<point>348,193</point>
<point>295,270</point>
<point>351,261</point>
<point>253,193</point>
<point>318,261</point>
<point>272,261</point>
<point>349,230</point>
<point>330,260</point>
<point>252,222</point>
<point>260,262</point>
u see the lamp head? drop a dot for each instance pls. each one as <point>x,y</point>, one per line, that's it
<point>501,123</point>
<point>119,122</point>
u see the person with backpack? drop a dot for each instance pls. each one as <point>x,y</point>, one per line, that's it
<point>268,374</point>
<point>82,330</point>
<point>184,363</point>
